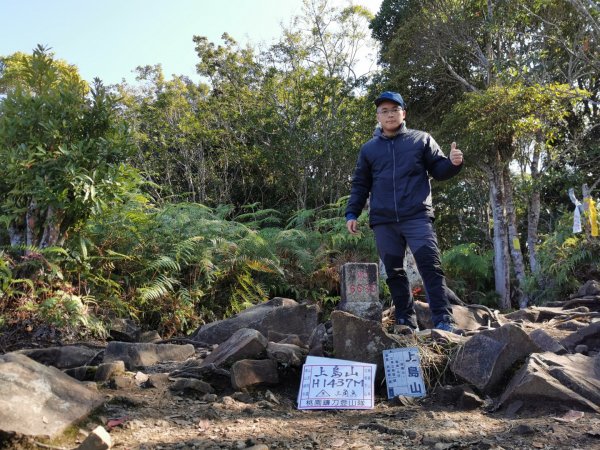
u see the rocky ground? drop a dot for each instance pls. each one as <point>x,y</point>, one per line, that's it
<point>143,409</point>
<point>156,418</point>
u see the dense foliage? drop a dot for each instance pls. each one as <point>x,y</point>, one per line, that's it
<point>177,203</point>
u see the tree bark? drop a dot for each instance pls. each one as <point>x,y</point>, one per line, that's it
<point>31,223</point>
<point>501,253</point>
<point>15,235</point>
<point>533,210</point>
<point>513,238</point>
<point>52,225</point>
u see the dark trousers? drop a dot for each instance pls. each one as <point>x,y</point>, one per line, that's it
<point>419,235</point>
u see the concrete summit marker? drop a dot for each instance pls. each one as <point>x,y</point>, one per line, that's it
<point>359,290</point>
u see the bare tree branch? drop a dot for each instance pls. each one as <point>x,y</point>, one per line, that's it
<point>468,86</point>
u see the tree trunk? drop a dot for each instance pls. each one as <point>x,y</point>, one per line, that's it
<point>15,235</point>
<point>501,253</point>
<point>513,239</point>
<point>31,222</point>
<point>52,234</point>
<point>201,174</point>
<point>533,210</point>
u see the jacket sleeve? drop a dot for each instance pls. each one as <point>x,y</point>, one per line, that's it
<point>361,186</point>
<point>437,164</point>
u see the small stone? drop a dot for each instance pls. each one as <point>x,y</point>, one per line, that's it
<point>98,439</point>
<point>140,378</point>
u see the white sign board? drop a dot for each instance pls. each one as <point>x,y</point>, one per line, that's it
<point>403,373</point>
<point>329,383</point>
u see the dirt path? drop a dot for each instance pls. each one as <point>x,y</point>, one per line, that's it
<point>157,419</point>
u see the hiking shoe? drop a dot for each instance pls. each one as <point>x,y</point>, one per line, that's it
<point>445,326</point>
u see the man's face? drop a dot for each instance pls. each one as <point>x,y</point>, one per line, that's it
<point>390,115</point>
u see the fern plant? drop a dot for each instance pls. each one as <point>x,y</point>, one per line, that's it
<point>180,264</point>
<point>43,294</point>
<point>469,273</point>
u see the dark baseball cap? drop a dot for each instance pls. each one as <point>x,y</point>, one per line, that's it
<point>389,96</point>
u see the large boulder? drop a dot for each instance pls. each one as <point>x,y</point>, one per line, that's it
<point>572,380</point>
<point>37,400</point>
<point>66,357</point>
<point>546,343</point>
<point>362,340</point>
<point>248,372</point>
<point>244,344</point>
<point>281,315</point>
<point>590,288</point>
<point>485,358</point>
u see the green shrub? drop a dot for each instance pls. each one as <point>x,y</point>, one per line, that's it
<point>565,261</point>
<point>42,293</point>
<point>470,273</point>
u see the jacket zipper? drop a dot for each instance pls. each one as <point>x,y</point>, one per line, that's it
<point>391,145</point>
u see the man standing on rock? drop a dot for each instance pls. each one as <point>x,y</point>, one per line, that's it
<point>394,168</point>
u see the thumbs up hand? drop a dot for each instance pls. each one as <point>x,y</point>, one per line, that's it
<point>456,156</point>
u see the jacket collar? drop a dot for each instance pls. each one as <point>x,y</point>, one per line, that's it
<point>379,132</point>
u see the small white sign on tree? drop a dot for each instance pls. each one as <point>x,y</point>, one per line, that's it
<point>329,383</point>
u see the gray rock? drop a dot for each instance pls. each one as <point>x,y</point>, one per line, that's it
<point>284,338</point>
<point>487,356</point>
<point>571,325</point>
<point>150,336</point>
<point>590,288</point>
<point>66,357</point>
<point>157,380</point>
<point>572,380</point>
<point>470,400</point>
<point>245,343</point>
<point>461,396</point>
<point>124,330</point>
<point>448,337</point>
<point>528,315</point>
<point>357,339</point>
<point>83,373</point>
<point>187,385</point>
<point>589,336</point>
<point>466,318</point>
<point>547,313</point>
<point>247,373</point>
<point>319,341</point>
<point>108,370</point>
<point>136,355</point>
<point>546,343</point>
<point>122,382</point>
<point>98,439</point>
<point>472,317</point>
<point>36,400</point>
<point>288,355</point>
<point>193,368</point>
<point>278,314</point>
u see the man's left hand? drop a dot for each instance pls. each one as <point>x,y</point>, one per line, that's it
<point>456,156</point>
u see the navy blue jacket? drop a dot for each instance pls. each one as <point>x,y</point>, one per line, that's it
<point>396,171</point>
